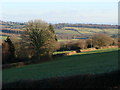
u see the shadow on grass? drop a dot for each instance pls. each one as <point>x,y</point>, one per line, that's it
<point>109,81</point>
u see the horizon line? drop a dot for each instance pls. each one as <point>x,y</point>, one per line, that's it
<point>62,22</point>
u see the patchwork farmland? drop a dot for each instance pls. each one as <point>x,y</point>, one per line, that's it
<point>63,31</point>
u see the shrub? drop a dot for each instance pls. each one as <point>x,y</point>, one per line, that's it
<point>73,45</point>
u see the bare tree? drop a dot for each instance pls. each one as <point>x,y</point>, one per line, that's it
<point>42,37</point>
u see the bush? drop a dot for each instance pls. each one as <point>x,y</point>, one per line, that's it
<point>72,45</point>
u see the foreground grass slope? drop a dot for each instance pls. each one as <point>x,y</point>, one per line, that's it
<point>99,61</point>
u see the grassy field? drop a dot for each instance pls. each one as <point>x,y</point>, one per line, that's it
<point>78,30</point>
<point>89,30</point>
<point>61,52</point>
<point>94,62</point>
<point>3,37</point>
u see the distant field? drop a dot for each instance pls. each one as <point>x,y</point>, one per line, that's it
<point>63,31</point>
<point>99,61</point>
<point>3,37</point>
<point>63,40</point>
<point>61,52</point>
<point>78,30</point>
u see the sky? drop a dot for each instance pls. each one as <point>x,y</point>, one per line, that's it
<point>60,11</point>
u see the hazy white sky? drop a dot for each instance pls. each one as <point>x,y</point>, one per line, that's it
<point>59,0</point>
<point>61,11</point>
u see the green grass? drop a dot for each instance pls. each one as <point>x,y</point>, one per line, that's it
<point>66,31</point>
<point>61,52</point>
<point>66,40</point>
<point>3,37</point>
<point>99,61</point>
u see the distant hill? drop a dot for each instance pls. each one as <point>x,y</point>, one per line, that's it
<point>12,25</point>
<point>82,31</point>
<point>63,30</point>
<point>18,25</point>
<point>98,26</point>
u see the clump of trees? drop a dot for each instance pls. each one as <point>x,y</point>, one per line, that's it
<point>38,41</point>
<point>100,40</point>
<point>73,45</point>
<point>95,41</point>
